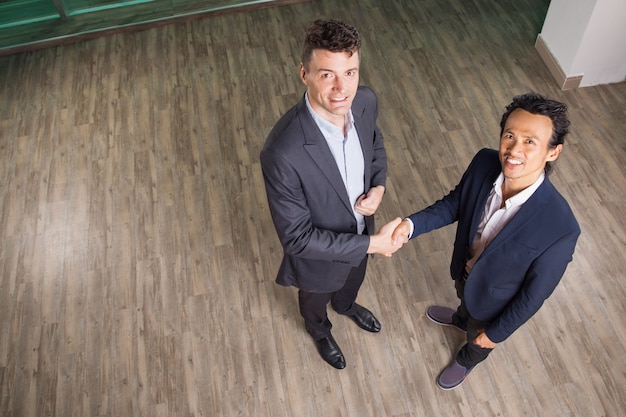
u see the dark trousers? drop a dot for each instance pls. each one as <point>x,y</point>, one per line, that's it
<point>313,305</point>
<point>470,354</point>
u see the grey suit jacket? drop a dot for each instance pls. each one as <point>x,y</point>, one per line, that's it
<point>308,200</point>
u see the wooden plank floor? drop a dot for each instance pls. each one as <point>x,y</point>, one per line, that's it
<point>137,254</point>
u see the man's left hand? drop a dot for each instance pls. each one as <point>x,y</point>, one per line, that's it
<point>368,203</point>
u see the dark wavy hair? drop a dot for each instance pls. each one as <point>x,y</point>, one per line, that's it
<point>537,104</point>
<point>331,35</point>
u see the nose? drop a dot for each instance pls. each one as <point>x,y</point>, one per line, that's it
<point>515,146</point>
<point>339,83</point>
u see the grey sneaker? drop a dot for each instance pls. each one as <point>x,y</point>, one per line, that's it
<point>453,376</point>
<point>443,315</point>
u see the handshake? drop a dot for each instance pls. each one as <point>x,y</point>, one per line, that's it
<point>390,237</point>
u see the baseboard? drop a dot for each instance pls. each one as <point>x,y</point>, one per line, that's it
<point>564,82</point>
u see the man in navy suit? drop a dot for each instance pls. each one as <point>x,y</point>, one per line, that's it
<point>515,233</point>
<point>324,167</point>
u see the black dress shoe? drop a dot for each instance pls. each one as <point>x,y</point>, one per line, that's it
<point>330,352</point>
<point>365,319</point>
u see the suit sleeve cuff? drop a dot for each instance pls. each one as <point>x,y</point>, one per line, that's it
<point>412,227</point>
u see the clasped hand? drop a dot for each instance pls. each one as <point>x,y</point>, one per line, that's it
<point>389,238</point>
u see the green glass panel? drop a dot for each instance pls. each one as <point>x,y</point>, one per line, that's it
<point>87,6</point>
<point>19,12</point>
<point>91,16</point>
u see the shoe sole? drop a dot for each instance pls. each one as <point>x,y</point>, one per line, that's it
<point>451,388</point>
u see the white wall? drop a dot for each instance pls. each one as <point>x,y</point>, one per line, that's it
<point>588,38</point>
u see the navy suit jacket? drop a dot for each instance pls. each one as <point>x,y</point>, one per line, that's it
<point>522,265</point>
<point>308,200</point>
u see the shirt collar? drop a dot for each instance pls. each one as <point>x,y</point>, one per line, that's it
<point>328,129</point>
<point>521,197</point>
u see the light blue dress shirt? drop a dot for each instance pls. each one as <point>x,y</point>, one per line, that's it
<point>346,150</point>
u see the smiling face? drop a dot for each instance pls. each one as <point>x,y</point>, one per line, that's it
<point>332,79</point>
<point>524,148</point>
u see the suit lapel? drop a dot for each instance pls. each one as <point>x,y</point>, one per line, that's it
<point>479,208</point>
<point>362,132</point>
<point>317,148</point>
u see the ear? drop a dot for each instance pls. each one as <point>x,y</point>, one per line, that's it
<point>553,153</point>
<point>302,74</point>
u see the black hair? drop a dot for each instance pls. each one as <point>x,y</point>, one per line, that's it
<point>537,104</point>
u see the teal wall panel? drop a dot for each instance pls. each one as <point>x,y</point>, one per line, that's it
<point>20,12</point>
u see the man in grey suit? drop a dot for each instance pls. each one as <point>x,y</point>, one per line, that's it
<point>324,167</point>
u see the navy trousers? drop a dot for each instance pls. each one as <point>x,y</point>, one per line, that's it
<point>470,354</point>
